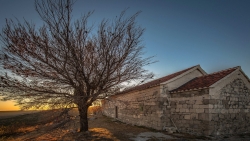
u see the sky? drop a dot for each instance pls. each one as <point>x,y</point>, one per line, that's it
<point>214,34</point>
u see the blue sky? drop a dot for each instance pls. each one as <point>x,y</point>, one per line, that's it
<point>180,33</point>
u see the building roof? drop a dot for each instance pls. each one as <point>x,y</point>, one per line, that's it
<point>156,82</point>
<point>204,81</point>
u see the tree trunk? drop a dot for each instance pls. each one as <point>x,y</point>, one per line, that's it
<point>83,113</point>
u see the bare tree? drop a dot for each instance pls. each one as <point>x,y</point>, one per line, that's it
<point>64,63</point>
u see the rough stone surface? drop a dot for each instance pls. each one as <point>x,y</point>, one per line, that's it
<point>197,112</point>
<point>231,113</point>
<point>144,108</point>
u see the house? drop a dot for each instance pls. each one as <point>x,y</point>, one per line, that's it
<point>190,101</point>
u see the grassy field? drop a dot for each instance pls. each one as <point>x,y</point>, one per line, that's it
<point>8,114</point>
<point>14,123</point>
<point>19,123</point>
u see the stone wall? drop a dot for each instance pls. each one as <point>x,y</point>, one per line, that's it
<point>198,112</point>
<point>189,112</point>
<point>229,113</point>
<point>142,108</point>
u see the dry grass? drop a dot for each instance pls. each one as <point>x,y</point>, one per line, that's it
<point>47,125</point>
<point>23,124</point>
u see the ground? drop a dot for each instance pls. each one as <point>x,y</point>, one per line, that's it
<point>57,127</point>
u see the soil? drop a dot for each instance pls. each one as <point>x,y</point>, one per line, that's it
<point>102,128</point>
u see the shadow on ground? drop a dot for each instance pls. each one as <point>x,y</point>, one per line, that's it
<point>103,128</point>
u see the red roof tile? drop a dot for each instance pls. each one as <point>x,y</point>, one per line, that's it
<point>156,82</point>
<point>204,81</point>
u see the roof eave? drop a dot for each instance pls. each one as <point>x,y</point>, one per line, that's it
<point>195,89</point>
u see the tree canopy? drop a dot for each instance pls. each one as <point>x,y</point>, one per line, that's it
<point>65,63</point>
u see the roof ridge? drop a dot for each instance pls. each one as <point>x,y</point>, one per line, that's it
<point>157,81</point>
<point>205,81</point>
<point>172,73</point>
<point>222,70</point>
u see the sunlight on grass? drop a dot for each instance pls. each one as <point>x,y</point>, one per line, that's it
<point>27,129</point>
<point>102,133</point>
<point>94,134</point>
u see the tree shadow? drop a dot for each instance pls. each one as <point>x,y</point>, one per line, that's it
<point>94,134</point>
<point>44,132</point>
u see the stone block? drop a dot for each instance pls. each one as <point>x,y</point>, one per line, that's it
<point>225,102</point>
<point>184,106</point>
<point>203,106</point>
<point>203,116</point>
<point>196,106</point>
<point>212,101</point>
<point>182,110</point>
<point>221,116</point>
<point>194,116</point>
<point>179,106</point>
<point>231,111</point>
<point>215,106</point>
<point>197,122</point>
<point>187,117</point>
<point>210,106</point>
<point>175,116</point>
<point>223,111</point>
<point>207,132</point>
<point>200,110</point>
<point>172,103</point>
<point>206,110</point>
<point>205,101</point>
<point>232,116</point>
<point>181,116</point>
<point>192,110</point>
<point>177,110</point>
<point>220,106</point>
<point>199,102</point>
<point>182,102</point>
<point>192,102</point>
<point>150,103</point>
<point>190,106</point>
<point>215,117</point>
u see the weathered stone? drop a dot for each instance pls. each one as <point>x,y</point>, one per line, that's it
<point>187,117</point>
<point>205,101</point>
<point>182,110</point>
<point>182,102</point>
<point>203,116</point>
<point>199,110</point>
<point>223,111</point>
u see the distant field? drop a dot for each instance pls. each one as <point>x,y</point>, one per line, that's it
<point>8,114</point>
